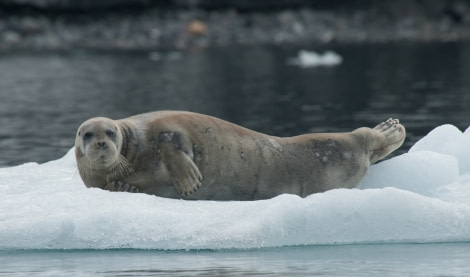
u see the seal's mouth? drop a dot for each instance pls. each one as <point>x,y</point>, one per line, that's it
<point>105,163</point>
<point>101,157</point>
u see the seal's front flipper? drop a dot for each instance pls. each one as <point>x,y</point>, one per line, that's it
<point>177,156</point>
<point>184,173</point>
<point>121,186</point>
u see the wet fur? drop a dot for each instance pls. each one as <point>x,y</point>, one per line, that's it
<point>193,156</point>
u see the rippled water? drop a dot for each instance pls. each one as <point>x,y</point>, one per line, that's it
<point>344,260</point>
<point>45,96</point>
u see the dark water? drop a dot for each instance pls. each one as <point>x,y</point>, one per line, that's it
<point>345,260</point>
<point>45,96</point>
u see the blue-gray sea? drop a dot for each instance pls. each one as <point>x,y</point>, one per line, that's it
<point>46,95</point>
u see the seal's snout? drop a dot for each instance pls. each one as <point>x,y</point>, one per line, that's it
<point>101,144</point>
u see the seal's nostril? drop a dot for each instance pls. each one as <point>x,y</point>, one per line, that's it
<point>101,143</point>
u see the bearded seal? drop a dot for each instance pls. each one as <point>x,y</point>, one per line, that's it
<point>187,155</point>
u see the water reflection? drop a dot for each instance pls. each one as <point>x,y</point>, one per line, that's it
<point>440,259</point>
<point>45,96</point>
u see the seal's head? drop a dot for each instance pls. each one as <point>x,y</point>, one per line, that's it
<point>98,143</point>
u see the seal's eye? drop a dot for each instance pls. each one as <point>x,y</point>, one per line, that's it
<point>87,135</point>
<point>110,133</point>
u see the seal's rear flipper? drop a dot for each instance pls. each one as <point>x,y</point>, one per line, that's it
<point>388,136</point>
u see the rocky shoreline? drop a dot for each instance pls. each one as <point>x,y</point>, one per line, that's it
<point>170,28</point>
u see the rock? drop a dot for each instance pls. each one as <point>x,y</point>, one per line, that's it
<point>173,27</point>
<point>241,5</point>
<point>74,4</point>
<point>196,27</point>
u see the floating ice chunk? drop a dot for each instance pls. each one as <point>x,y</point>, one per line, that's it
<point>456,192</point>
<point>438,139</point>
<point>448,139</point>
<point>416,197</point>
<point>310,59</point>
<point>420,172</point>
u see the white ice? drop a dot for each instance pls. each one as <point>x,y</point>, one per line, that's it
<point>421,196</point>
<point>311,59</point>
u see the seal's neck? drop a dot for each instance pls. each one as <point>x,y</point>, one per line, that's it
<point>120,168</point>
<point>129,141</point>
